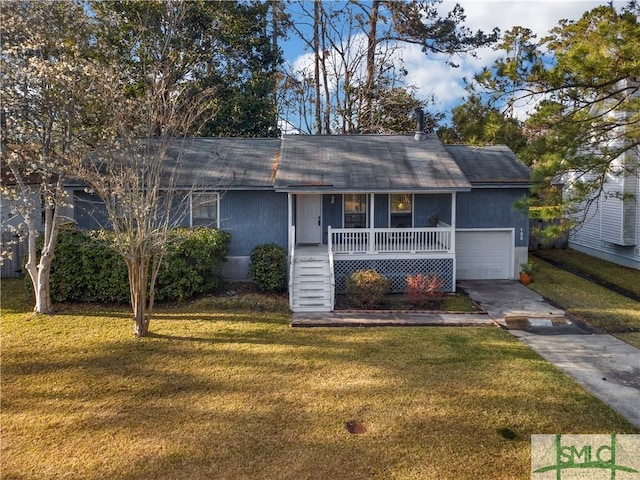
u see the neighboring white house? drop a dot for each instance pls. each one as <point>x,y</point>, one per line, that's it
<point>610,228</point>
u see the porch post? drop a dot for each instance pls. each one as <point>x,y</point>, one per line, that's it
<point>453,237</point>
<point>289,219</point>
<point>372,233</point>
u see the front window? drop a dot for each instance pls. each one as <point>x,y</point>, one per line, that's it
<point>204,210</point>
<point>401,210</point>
<point>355,210</point>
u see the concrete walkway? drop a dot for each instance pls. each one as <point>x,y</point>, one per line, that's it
<point>389,319</point>
<point>605,366</point>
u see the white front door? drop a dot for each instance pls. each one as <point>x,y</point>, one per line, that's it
<point>309,219</point>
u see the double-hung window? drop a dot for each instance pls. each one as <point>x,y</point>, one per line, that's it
<point>401,209</point>
<point>355,210</point>
<point>204,209</point>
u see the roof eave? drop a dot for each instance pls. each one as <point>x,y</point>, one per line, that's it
<point>318,189</point>
<point>501,185</point>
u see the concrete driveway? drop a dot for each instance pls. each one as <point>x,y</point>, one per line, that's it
<point>605,366</point>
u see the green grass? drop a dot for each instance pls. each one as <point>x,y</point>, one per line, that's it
<point>595,305</point>
<point>626,278</point>
<point>240,395</point>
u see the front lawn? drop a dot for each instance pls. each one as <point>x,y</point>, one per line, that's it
<point>240,395</point>
<point>592,303</point>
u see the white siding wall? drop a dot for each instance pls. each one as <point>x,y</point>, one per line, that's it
<point>612,227</point>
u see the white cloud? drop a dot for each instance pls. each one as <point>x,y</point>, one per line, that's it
<point>431,74</point>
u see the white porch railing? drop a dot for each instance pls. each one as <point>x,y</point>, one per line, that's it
<point>390,240</point>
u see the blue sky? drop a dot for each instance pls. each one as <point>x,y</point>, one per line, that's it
<point>433,76</point>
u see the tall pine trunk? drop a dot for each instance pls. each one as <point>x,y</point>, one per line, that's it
<point>316,65</point>
<point>372,43</point>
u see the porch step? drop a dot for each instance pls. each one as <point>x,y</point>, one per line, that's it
<point>311,290</point>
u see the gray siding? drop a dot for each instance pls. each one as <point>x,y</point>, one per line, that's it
<point>436,206</point>
<point>89,211</point>
<point>619,207</point>
<point>331,214</point>
<point>494,208</point>
<point>587,239</point>
<point>596,236</point>
<point>381,211</point>
<point>253,218</point>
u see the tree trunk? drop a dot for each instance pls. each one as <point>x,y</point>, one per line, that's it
<point>39,272</point>
<point>316,65</point>
<point>43,293</point>
<point>137,269</point>
<point>325,80</point>
<point>372,43</point>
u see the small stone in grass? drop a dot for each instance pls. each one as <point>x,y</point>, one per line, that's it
<point>355,427</point>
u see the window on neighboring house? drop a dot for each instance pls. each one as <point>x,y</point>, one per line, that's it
<point>355,210</point>
<point>204,210</point>
<point>401,210</point>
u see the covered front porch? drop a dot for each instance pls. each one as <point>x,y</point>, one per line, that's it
<point>333,234</point>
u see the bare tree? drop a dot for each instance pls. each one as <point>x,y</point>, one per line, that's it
<point>136,174</point>
<point>356,48</point>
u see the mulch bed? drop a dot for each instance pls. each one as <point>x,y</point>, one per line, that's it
<point>394,301</point>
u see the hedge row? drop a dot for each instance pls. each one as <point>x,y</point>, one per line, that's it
<point>87,269</point>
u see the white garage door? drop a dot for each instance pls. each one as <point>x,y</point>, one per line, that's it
<point>484,255</point>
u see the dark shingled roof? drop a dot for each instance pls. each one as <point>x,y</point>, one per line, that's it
<point>230,163</point>
<point>495,164</point>
<point>367,163</point>
<point>219,163</point>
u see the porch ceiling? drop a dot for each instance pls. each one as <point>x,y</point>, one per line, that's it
<point>367,163</point>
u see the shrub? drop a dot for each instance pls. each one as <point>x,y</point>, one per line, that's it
<point>87,269</point>
<point>366,288</point>
<point>192,264</point>
<point>425,291</point>
<point>268,267</point>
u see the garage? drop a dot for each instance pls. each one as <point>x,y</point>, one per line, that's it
<point>484,254</point>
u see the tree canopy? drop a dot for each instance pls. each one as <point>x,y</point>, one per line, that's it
<point>221,46</point>
<point>584,80</point>
<point>476,123</point>
<point>354,69</point>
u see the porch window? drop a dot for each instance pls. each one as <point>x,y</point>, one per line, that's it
<point>204,210</point>
<point>355,210</point>
<point>401,210</point>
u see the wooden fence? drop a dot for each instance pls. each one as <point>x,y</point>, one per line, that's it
<point>13,252</point>
<point>537,242</point>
